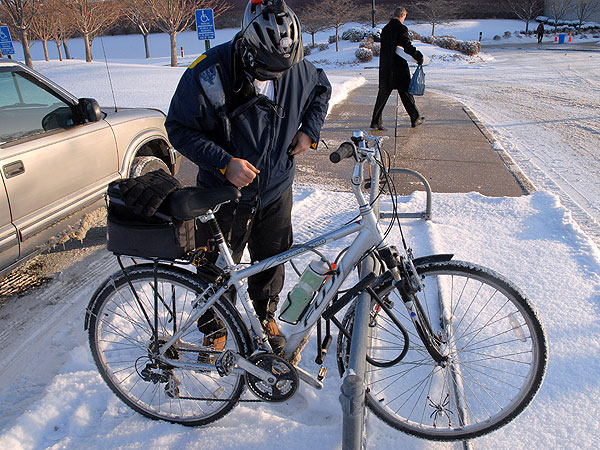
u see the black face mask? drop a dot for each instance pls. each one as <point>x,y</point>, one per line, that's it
<point>247,58</point>
<point>263,74</point>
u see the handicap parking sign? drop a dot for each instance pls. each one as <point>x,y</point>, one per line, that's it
<point>205,24</point>
<point>6,45</point>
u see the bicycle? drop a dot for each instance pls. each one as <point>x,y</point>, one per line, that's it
<point>456,350</point>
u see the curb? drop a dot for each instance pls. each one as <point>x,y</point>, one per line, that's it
<point>525,183</point>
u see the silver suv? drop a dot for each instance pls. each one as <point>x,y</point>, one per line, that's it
<point>57,156</point>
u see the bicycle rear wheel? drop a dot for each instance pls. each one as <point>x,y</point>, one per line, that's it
<point>496,350</point>
<point>122,317</point>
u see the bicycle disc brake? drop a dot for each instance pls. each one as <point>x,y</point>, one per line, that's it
<point>286,378</point>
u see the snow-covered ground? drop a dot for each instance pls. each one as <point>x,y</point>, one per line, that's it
<point>542,107</point>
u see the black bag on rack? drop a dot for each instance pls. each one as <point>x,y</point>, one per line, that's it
<point>132,232</point>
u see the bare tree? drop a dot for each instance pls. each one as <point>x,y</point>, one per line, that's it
<point>90,18</point>
<point>138,12</point>
<point>312,21</point>
<point>174,16</point>
<point>67,28</point>
<point>437,12</point>
<point>335,13</point>
<point>45,25</point>
<point>19,15</point>
<point>526,10</point>
<point>584,9</point>
<point>558,10</point>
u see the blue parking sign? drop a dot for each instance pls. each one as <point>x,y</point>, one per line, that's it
<point>205,24</point>
<point>6,45</point>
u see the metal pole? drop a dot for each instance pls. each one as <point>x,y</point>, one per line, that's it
<point>352,396</point>
<point>373,13</point>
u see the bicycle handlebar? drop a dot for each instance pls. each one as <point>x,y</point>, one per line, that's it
<point>346,150</point>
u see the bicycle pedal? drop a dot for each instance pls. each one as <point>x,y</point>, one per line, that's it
<point>322,373</point>
<point>225,363</point>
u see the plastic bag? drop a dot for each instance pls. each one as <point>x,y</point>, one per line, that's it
<point>417,82</point>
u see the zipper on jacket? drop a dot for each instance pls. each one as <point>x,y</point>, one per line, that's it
<point>272,133</point>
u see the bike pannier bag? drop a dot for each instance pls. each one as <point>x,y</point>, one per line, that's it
<point>417,82</point>
<point>159,236</point>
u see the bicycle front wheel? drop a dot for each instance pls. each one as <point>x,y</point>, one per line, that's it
<point>122,319</point>
<point>496,356</point>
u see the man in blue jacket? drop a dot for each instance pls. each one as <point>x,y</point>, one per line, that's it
<point>242,112</point>
<point>393,70</point>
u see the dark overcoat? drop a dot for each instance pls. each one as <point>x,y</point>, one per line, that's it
<point>393,69</point>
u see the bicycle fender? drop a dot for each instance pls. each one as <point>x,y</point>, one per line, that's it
<point>92,303</point>
<point>423,260</point>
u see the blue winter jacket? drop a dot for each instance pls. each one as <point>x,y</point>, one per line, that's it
<point>261,130</point>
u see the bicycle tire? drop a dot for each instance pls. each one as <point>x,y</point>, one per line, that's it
<point>120,337</point>
<point>497,357</point>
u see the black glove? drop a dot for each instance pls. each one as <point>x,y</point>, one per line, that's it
<point>419,57</point>
<point>147,192</point>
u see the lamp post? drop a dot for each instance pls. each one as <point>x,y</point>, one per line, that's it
<point>373,13</point>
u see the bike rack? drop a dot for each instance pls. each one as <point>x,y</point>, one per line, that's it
<point>425,215</point>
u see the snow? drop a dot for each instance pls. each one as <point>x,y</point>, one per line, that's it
<point>542,108</point>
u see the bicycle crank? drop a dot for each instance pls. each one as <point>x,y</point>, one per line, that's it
<point>286,378</point>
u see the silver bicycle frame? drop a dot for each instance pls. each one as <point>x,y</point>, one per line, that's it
<point>369,236</point>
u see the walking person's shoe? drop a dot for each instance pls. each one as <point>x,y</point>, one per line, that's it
<point>379,127</point>
<point>417,122</point>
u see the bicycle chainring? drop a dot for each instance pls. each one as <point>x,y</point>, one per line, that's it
<point>286,378</point>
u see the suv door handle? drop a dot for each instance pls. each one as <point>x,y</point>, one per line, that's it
<point>13,169</point>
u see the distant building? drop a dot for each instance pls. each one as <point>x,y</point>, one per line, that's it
<point>571,14</point>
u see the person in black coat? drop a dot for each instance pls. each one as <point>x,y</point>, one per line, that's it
<point>393,70</point>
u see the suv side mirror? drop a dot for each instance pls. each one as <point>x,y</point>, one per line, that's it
<point>90,110</point>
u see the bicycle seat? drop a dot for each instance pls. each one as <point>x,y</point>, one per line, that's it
<point>191,202</point>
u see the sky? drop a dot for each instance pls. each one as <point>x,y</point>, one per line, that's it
<point>53,397</point>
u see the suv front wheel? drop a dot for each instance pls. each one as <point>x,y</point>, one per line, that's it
<point>143,164</point>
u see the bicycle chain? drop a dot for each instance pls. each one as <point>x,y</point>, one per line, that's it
<point>202,399</point>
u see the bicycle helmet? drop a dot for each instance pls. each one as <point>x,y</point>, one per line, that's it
<point>271,40</point>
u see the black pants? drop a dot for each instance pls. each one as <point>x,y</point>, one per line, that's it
<point>268,233</point>
<point>382,97</point>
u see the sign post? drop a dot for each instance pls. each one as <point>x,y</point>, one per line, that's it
<point>205,26</point>
<point>6,45</point>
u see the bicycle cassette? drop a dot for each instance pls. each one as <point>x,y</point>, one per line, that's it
<point>286,378</point>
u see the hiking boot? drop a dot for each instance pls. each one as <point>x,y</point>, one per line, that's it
<point>276,339</point>
<point>215,342</point>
